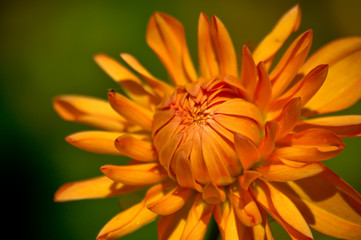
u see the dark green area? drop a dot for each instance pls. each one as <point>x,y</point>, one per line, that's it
<point>46,49</point>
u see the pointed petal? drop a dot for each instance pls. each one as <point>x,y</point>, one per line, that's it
<point>130,83</point>
<point>184,173</point>
<point>247,178</point>
<point>95,141</point>
<point>263,92</point>
<point>99,187</point>
<point>138,149</point>
<point>197,220</point>
<point>263,230</point>
<point>172,201</point>
<point>137,174</point>
<point>289,117</point>
<point>328,204</point>
<point>159,87</point>
<point>282,209</point>
<point>133,218</point>
<point>266,146</point>
<point>342,126</point>
<point>244,206</point>
<point>270,45</point>
<point>225,50</point>
<point>87,110</point>
<point>208,63</point>
<point>165,35</point>
<point>249,71</point>
<point>310,145</point>
<point>246,151</point>
<point>228,223</point>
<point>284,172</point>
<point>131,111</point>
<point>171,227</point>
<point>287,68</point>
<point>341,89</point>
<point>213,194</point>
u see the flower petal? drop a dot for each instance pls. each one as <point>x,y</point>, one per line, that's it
<point>197,220</point>
<point>134,217</point>
<point>244,206</point>
<point>246,151</point>
<point>136,174</point>
<point>342,126</point>
<point>99,187</point>
<point>95,141</point>
<point>130,83</point>
<point>282,209</point>
<point>269,46</point>
<point>91,111</point>
<point>172,201</point>
<point>184,173</point>
<point>266,146</point>
<point>328,204</point>
<point>310,145</point>
<point>341,89</point>
<point>170,227</point>
<point>263,92</point>
<point>224,46</point>
<point>213,194</point>
<point>289,117</point>
<point>131,111</point>
<point>284,172</point>
<point>249,71</point>
<point>247,178</point>
<point>159,87</point>
<point>138,149</point>
<point>165,35</point>
<point>228,223</point>
<point>208,63</point>
<point>287,68</point>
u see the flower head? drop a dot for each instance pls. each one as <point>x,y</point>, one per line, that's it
<point>223,144</point>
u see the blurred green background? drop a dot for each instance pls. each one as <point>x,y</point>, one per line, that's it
<point>46,50</point>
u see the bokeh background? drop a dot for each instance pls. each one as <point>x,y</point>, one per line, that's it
<point>46,50</point>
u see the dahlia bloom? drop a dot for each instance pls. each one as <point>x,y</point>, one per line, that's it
<point>225,142</point>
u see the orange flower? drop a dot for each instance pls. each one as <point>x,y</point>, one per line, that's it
<point>221,144</point>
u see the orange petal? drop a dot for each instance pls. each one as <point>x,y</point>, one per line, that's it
<point>184,173</point>
<point>342,126</point>
<point>95,141</point>
<point>284,172</point>
<point>90,111</point>
<point>133,218</point>
<point>165,35</point>
<point>207,57</point>
<point>160,88</point>
<point>263,230</point>
<point>131,111</point>
<point>213,194</point>
<point>247,178</point>
<point>171,227</point>
<point>246,151</point>
<point>228,223</point>
<point>287,68</point>
<point>266,146</point>
<point>244,206</point>
<point>289,117</point>
<point>136,148</point>
<point>224,46</point>
<point>99,187</point>
<point>171,202</point>
<point>137,174</point>
<point>282,209</point>
<point>304,89</point>
<point>249,71</point>
<point>197,220</point>
<point>130,83</point>
<point>269,46</point>
<point>263,92</point>
<point>341,89</point>
<point>310,145</point>
<point>328,204</point>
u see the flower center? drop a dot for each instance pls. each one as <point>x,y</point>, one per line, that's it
<point>193,133</point>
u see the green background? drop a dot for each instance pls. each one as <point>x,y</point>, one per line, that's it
<point>46,50</point>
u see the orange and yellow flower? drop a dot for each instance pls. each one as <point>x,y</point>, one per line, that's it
<point>228,142</point>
